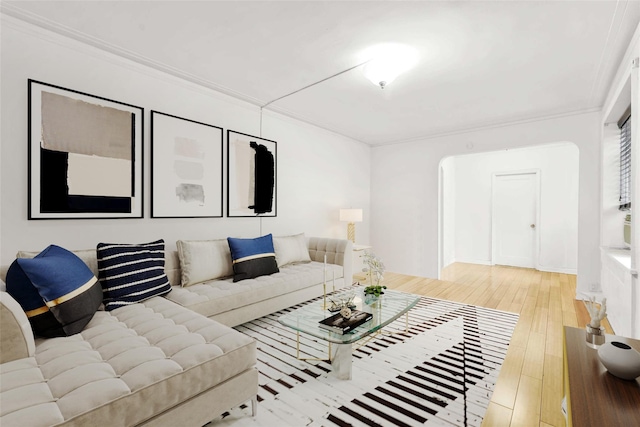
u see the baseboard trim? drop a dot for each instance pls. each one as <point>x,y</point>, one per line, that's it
<point>586,296</point>
<point>473,261</point>
<point>539,268</point>
<point>558,270</point>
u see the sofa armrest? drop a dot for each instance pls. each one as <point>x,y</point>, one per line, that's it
<point>17,339</point>
<point>338,251</point>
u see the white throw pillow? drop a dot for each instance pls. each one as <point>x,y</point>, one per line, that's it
<point>202,260</point>
<point>291,249</point>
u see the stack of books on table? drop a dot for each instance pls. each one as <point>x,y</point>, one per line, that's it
<point>340,325</point>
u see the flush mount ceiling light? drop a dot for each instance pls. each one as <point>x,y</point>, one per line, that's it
<point>388,61</point>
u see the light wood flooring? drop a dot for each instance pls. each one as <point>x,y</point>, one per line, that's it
<point>529,387</point>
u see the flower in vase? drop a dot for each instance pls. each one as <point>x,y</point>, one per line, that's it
<point>597,313</point>
<point>375,267</point>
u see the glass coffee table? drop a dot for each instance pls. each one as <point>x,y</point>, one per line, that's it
<point>387,308</point>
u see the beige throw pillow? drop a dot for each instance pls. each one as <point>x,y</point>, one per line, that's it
<point>291,249</point>
<point>202,260</point>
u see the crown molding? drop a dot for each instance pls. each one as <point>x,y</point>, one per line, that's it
<point>491,125</point>
<point>621,78</point>
<point>276,114</point>
<point>54,27</point>
<point>295,116</point>
<point>597,93</point>
<point>207,86</point>
<point>53,32</point>
<point>481,126</point>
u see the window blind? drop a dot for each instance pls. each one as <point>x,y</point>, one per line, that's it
<point>625,161</point>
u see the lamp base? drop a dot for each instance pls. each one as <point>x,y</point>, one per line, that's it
<point>351,232</point>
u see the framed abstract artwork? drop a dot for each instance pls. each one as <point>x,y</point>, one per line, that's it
<point>186,168</point>
<point>252,188</point>
<point>85,155</point>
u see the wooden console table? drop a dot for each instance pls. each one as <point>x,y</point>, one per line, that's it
<point>594,396</point>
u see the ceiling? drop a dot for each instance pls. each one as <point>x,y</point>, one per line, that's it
<point>481,63</point>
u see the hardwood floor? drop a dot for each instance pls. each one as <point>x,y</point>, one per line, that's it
<point>529,387</point>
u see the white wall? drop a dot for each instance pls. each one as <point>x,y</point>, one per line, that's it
<point>558,226</point>
<point>318,172</point>
<point>619,282</point>
<point>404,189</point>
<point>448,210</point>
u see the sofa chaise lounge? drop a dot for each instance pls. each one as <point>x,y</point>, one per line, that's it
<point>172,360</point>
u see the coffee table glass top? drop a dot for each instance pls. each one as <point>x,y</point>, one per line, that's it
<point>390,306</point>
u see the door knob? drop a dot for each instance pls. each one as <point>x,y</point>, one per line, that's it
<point>533,226</point>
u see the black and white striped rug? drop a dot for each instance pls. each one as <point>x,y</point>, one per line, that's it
<point>442,372</point>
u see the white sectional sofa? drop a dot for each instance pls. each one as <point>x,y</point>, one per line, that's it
<point>166,361</point>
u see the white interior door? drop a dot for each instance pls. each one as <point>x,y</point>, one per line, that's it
<point>514,219</point>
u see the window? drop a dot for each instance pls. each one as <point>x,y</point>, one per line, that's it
<point>625,161</point>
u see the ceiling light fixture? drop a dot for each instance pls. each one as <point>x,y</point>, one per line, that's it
<point>388,61</point>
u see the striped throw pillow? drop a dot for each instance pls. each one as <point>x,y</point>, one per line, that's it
<point>131,273</point>
<point>252,257</point>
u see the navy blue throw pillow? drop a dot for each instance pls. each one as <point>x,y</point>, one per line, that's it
<point>252,257</point>
<point>57,291</point>
<point>131,273</point>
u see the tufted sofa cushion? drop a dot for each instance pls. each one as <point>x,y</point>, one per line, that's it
<point>219,296</point>
<point>126,366</point>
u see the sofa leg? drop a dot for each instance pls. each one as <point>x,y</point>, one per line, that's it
<point>254,406</point>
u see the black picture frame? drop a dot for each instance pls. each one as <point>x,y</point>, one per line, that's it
<point>263,190</point>
<point>186,168</point>
<point>85,155</point>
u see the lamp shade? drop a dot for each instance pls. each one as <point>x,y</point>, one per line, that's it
<point>351,215</point>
